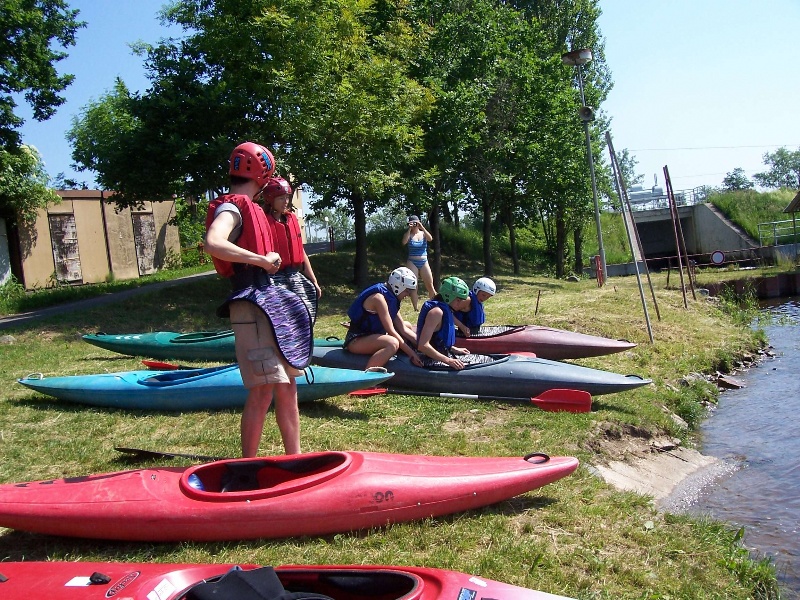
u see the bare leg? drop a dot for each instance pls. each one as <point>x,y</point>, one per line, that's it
<point>287,415</point>
<point>253,416</point>
<point>427,277</point>
<point>381,347</point>
<point>414,293</point>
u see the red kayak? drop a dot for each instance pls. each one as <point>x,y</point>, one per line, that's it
<point>545,342</point>
<point>153,581</point>
<point>272,497</point>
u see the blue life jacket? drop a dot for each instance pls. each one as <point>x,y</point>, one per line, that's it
<point>475,316</point>
<point>362,321</point>
<point>445,338</point>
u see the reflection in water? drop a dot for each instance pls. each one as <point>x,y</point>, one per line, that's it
<point>755,432</point>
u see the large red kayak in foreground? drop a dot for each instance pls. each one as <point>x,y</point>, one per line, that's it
<point>273,497</point>
<point>153,581</point>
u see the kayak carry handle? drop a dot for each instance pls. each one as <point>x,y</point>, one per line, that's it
<point>545,457</point>
<point>34,376</point>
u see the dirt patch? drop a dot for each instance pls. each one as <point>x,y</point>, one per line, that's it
<point>637,460</point>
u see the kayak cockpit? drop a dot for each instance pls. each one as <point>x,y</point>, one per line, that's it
<point>256,478</point>
<point>266,583</point>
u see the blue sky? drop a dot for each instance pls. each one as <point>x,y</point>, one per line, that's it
<point>701,86</point>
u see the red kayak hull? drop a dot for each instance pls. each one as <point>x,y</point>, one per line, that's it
<point>130,581</point>
<point>272,497</point>
<point>545,342</point>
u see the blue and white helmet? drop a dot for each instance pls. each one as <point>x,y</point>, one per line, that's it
<point>402,278</point>
<point>484,284</point>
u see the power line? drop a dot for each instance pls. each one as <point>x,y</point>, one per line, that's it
<point>706,148</point>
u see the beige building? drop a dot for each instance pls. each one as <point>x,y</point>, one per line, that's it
<point>84,239</point>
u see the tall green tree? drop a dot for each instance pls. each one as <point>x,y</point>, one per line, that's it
<point>322,84</point>
<point>33,37</point>
<point>24,185</point>
<point>737,180</point>
<point>784,169</point>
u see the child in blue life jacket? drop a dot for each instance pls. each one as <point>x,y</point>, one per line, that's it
<point>436,329</point>
<point>470,320</point>
<point>376,326</point>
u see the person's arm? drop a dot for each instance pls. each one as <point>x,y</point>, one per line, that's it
<point>377,304</point>
<point>433,320</point>
<point>407,235</point>
<point>406,333</point>
<point>217,245</point>
<point>310,274</point>
<point>461,327</point>
<point>425,232</point>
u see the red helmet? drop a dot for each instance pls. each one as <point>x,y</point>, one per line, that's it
<point>276,186</point>
<point>252,161</point>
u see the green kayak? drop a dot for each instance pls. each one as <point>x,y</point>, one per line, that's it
<point>166,345</point>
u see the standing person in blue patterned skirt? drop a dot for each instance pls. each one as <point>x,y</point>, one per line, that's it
<point>295,273</point>
<point>271,325</point>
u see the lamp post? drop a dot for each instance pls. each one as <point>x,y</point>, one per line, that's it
<point>578,58</point>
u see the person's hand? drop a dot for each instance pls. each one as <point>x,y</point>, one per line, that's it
<point>455,363</point>
<point>415,359</point>
<point>458,350</point>
<point>464,330</point>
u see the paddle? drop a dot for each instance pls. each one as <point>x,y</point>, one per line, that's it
<point>156,454</point>
<point>555,400</point>
<point>158,365</point>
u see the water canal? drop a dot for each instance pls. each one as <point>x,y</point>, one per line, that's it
<point>755,431</point>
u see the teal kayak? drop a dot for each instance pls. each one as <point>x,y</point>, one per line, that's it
<point>166,345</point>
<point>190,389</point>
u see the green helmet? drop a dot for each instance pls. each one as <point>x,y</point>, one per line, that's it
<point>453,288</point>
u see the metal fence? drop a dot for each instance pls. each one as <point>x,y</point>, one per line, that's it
<point>775,233</point>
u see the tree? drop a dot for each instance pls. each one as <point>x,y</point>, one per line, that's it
<point>627,168</point>
<point>784,169</point>
<point>23,185</point>
<point>737,180</point>
<point>29,30</point>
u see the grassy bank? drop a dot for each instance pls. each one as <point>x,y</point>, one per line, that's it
<point>577,537</point>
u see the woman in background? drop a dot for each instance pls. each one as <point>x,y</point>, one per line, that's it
<point>417,238</point>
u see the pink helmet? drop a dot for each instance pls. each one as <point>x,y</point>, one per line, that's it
<point>276,186</point>
<point>252,161</point>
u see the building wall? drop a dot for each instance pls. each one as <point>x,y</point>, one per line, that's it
<point>106,242</point>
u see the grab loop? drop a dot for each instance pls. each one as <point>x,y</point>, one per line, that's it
<point>541,455</point>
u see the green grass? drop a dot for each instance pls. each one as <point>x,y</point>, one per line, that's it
<point>578,537</point>
<point>748,208</point>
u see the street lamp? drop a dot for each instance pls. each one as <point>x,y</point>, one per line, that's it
<point>578,58</point>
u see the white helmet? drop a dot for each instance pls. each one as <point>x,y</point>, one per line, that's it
<point>402,278</point>
<point>484,284</point>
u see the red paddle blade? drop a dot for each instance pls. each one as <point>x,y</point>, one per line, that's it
<point>369,392</point>
<point>562,400</point>
<point>160,366</point>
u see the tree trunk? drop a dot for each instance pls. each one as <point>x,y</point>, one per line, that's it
<point>488,267</point>
<point>561,242</point>
<point>434,224</point>
<point>360,265</point>
<point>578,239</point>
<point>512,238</point>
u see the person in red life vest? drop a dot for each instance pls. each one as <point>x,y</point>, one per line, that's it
<point>376,326</point>
<point>271,325</point>
<point>295,273</point>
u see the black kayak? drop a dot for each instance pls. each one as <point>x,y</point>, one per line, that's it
<point>512,376</point>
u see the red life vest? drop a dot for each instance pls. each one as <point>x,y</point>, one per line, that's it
<point>288,240</point>
<point>256,235</point>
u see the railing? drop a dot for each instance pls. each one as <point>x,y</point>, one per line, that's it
<point>643,201</point>
<point>775,233</point>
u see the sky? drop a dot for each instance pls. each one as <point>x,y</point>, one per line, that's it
<point>700,86</point>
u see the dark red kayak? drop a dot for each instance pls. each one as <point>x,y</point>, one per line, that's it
<point>545,342</point>
<point>271,497</point>
<point>153,581</point>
